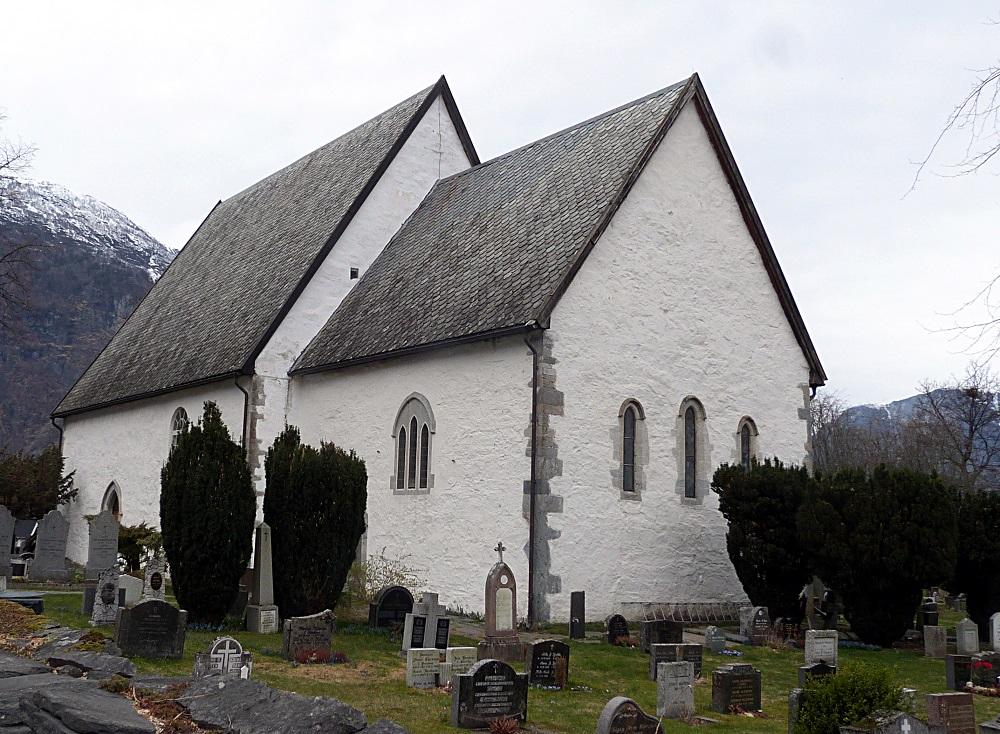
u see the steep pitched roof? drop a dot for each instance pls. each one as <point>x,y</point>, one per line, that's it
<point>218,303</point>
<point>491,249</point>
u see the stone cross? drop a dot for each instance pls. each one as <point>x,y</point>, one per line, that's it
<point>227,655</point>
<point>905,728</point>
<point>500,549</point>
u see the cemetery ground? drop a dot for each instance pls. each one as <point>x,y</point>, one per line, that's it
<point>373,678</point>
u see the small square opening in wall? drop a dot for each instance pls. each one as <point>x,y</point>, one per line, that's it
<point>354,273</point>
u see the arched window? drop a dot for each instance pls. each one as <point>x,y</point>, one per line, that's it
<point>628,450</point>
<point>693,454</point>
<point>112,501</point>
<point>747,435</point>
<point>178,424</point>
<point>631,451</point>
<point>690,452</point>
<point>413,432</point>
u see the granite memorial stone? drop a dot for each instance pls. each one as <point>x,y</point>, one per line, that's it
<point>307,639</point>
<point>623,716</point>
<point>422,667</point>
<point>154,581</point>
<point>102,544</point>
<point>815,670</point>
<point>736,688</point>
<point>715,639</point>
<point>821,646</point>
<point>262,614</point>
<point>49,563</point>
<point>955,712</point>
<point>548,666</point>
<point>995,631</point>
<point>151,629</point>
<point>390,607</point>
<point>890,722</point>
<point>225,657</point>
<point>617,628</point>
<point>427,625</point>
<point>967,637</point>
<point>958,671</point>
<point>795,698</point>
<point>659,631</point>
<point>675,690</point>
<point>935,641</point>
<point>6,541</point>
<point>105,611</point>
<point>501,641</point>
<point>674,653</point>
<point>491,690</point>
<point>460,660</point>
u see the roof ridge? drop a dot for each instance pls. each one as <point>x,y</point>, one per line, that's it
<point>589,121</point>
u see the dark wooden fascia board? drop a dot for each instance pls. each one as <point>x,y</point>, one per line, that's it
<point>458,121</point>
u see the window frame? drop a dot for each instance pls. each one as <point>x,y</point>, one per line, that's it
<point>413,447</point>
<point>621,469</point>
<point>693,451</point>
<point>748,425</point>
<point>175,429</point>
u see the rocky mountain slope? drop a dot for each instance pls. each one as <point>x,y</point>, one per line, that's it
<point>91,266</point>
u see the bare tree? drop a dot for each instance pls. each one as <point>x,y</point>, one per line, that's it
<point>961,423</point>
<point>16,255</point>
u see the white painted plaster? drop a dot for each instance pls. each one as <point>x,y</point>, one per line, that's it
<point>481,398</point>
<point>432,151</point>
<point>672,301</point>
<point>128,444</point>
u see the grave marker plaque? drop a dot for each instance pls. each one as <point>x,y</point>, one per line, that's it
<point>390,607</point>
<point>659,631</point>
<point>102,545</point>
<point>225,657</point>
<point>821,646</point>
<point>675,690</point>
<point>307,639</point>
<point>736,687</point>
<point>422,667</point>
<point>461,660</point>
<point>967,637</point>
<point>491,690</point>
<point>6,541</point>
<point>760,626</point>
<point>715,639</point>
<point>617,627</point>
<point>958,671</point>
<point>935,641</point>
<point>548,666</point>
<point>414,631</point>
<point>623,716</point>
<point>49,563</point>
<point>443,633</point>
<point>953,711</point>
<point>151,629</point>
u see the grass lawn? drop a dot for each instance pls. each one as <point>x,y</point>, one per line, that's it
<point>374,679</point>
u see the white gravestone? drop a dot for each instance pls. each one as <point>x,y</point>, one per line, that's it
<point>461,659</point>
<point>422,667</point>
<point>967,637</point>
<point>105,599</point>
<point>995,632</point>
<point>821,646</point>
<point>421,625</point>
<point>675,690</point>
<point>154,580</point>
<point>225,657</point>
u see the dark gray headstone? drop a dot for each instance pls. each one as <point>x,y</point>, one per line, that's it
<point>151,629</point>
<point>675,690</point>
<point>795,698</point>
<point>659,631</point>
<point>102,545</point>
<point>577,615</point>
<point>548,665</point>
<point>715,639</point>
<point>675,653</point>
<point>891,722</point>
<point>623,716</point>
<point>6,540</point>
<point>736,687</point>
<point>49,563</point>
<point>308,639</point>
<point>958,671</point>
<point>490,691</point>
<point>815,670</point>
<point>617,627</point>
<point>390,607</point>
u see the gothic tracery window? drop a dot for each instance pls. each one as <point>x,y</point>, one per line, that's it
<point>178,424</point>
<point>414,436</point>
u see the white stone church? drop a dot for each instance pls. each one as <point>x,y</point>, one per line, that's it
<point>554,348</point>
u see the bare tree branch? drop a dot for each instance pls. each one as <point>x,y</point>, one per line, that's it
<point>17,256</point>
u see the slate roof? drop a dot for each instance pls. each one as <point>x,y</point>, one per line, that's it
<point>214,308</point>
<point>491,249</point>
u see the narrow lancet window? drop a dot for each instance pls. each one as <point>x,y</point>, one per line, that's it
<point>690,452</point>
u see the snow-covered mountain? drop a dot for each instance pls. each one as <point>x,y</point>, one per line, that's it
<point>87,221</point>
<point>91,265</point>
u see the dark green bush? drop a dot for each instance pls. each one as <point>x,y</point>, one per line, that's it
<point>315,505</point>
<point>856,692</point>
<point>977,571</point>
<point>879,539</point>
<point>207,512</point>
<point>30,485</point>
<point>136,543</point>
<point>761,506</point>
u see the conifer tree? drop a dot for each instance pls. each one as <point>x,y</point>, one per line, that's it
<point>207,512</point>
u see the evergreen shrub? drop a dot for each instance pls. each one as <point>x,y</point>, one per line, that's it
<point>854,694</point>
<point>977,571</point>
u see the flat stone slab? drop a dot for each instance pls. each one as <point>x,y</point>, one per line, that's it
<point>250,707</point>
<point>12,665</point>
<point>95,664</point>
<point>80,709</point>
<point>11,690</point>
<point>384,726</point>
<point>32,600</point>
<point>156,683</point>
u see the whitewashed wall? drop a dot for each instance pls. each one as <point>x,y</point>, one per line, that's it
<point>128,444</point>
<point>673,301</point>
<point>432,151</point>
<point>480,395</point>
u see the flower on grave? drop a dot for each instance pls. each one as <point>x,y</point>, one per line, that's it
<point>983,674</point>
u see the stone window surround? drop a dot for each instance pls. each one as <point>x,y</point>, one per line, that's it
<point>641,452</point>
<point>703,452</point>
<point>754,433</point>
<point>113,490</point>
<point>415,405</point>
<point>178,422</point>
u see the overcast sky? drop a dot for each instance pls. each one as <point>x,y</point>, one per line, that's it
<point>162,109</point>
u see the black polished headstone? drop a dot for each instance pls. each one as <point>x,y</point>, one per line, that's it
<point>623,716</point>
<point>151,629</point>
<point>548,664</point>
<point>736,687</point>
<point>958,671</point>
<point>617,627</point>
<point>815,670</point>
<point>675,653</point>
<point>490,691</point>
<point>442,632</point>
<point>659,631</point>
<point>390,607</point>
<point>577,615</point>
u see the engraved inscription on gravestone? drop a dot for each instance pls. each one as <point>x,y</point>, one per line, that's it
<point>105,610</point>
<point>442,634</point>
<point>623,716</point>
<point>675,690</point>
<point>151,629</point>
<point>715,639</point>
<point>995,631</point>
<point>461,660</point>
<point>673,653</point>
<point>490,691</point>
<point>307,639</point>
<point>422,667</point>
<point>935,641</point>
<point>549,664</point>
<point>967,637</point>
<point>821,646</point>
<point>102,546</point>
<point>736,687</point>
<point>49,563</point>
<point>153,582</point>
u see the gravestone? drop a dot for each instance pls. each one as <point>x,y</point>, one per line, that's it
<point>422,667</point>
<point>966,637</point>
<point>132,587</point>
<point>674,653</point>
<point>457,661</point>
<point>890,722</point>
<point>307,639</point>
<point>427,625</point>
<point>953,711</point>
<point>102,545</point>
<point>821,647</point>
<point>49,563</point>
<point>995,631</point>
<point>815,670</point>
<point>617,627</point>
<point>548,665</point>
<point>795,698</point>
<point>760,626</point>
<point>935,641</point>
<point>151,629</point>
<point>735,687</point>
<point>659,631</point>
<point>927,614</point>
<point>262,614</point>
<point>675,690</point>
<point>623,716</point>
<point>577,615</point>
<point>958,671</point>
<point>491,690</point>
<point>715,639</point>
<point>154,581</point>
<point>105,611</point>
<point>225,657</point>
<point>501,641</point>
<point>390,607</point>
<point>6,541</point>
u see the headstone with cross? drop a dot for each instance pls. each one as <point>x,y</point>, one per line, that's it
<point>225,657</point>
<point>428,625</point>
<point>501,639</point>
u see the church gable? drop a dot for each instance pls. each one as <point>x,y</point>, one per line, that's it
<point>228,290</point>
